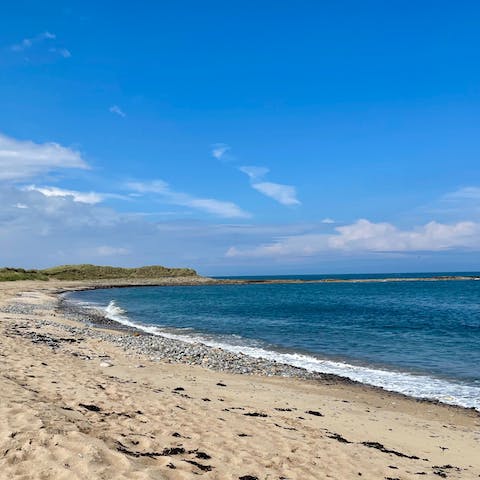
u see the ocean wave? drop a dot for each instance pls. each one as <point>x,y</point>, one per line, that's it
<point>419,386</point>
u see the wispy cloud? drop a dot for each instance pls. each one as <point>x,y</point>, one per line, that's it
<point>254,173</point>
<point>469,193</point>
<point>38,46</point>
<point>364,236</point>
<point>215,207</point>
<point>460,204</point>
<point>23,159</point>
<point>63,52</point>
<point>328,220</point>
<point>284,194</point>
<point>219,150</point>
<point>117,111</point>
<point>91,198</point>
<point>27,43</point>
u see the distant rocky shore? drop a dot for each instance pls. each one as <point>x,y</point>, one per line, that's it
<point>199,280</point>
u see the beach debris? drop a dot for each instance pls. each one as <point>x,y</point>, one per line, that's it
<point>173,451</point>
<point>440,470</point>
<point>123,449</point>
<point>106,364</point>
<point>220,384</point>
<point>383,449</point>
<point>201,455</point>
<point>315,413</point>
<point>247,477</point>
<point>90,407</point>
<point>285,428</point>
<point>339,438</point>
<point>204,468</point>
<point>255,414</point>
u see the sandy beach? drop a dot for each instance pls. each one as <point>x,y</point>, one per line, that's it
<point>75,404</point>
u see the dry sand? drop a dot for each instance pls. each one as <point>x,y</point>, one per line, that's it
<point>64,414</point>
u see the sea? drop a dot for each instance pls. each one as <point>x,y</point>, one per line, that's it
<point>419,338</point>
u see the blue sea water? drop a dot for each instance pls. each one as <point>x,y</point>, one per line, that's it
<point>419,338</point>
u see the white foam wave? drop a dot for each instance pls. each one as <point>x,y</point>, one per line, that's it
<point>420,386</point>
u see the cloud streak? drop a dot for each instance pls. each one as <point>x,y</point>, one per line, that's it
<point>24,159</point>
<point>209,205</point>
<point>283,194</point>
<point>27,43</point>
<point>91,198</point>
<point>468,193</point>
<point>117,111</point>
<point>219,150</point>
<point>63,52</point>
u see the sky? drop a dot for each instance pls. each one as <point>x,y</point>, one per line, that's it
<point>238,138</point>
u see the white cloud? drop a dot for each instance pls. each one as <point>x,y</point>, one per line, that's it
<point>27,43</point>
<point>63,52</point>
<point>460,204</point>
<point>55,230</point>
<point>83,197</point>
<point>219,150</point>
<point>117,110</point>
<point>364,236</point>
<point>469,193</point>
<point>254,172</point>
<point>384,237</point>
<point>328,220</point>
<point>209,205</point>
<point>284,194</point>
<point>20,160</point>
<point>292,246</point>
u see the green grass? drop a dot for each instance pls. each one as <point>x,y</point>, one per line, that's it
<point>12,274</point>
<point>93,272</point>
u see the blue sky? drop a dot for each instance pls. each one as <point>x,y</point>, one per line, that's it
<point>241,137</point>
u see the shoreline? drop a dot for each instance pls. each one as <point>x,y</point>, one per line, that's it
<point>361,419</point>
<point>234,362</point>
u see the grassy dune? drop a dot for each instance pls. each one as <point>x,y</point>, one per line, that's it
<point>93,272</point>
